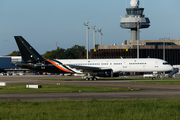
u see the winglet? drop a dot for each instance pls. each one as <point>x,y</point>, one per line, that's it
<point>29,54</point>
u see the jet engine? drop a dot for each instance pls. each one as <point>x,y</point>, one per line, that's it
<point>103,73</point>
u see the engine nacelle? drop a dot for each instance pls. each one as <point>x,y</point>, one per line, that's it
<point>116,74</point>
<point>103,73</point>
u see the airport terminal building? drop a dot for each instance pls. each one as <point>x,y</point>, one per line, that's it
<point>6,63</point>
<point>147,49</point>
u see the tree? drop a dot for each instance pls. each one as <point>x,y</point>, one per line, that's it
<point>74,52</point>
<point>15,53</point>
<point>96,46</point>
<point>55,54</point>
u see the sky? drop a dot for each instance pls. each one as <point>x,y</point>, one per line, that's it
<point>44,22</point>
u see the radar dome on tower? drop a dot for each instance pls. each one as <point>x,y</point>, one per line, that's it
<point>134,3</point>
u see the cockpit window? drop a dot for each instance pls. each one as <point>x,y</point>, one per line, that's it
<point>165,63</point>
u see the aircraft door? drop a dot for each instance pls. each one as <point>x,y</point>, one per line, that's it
<point>124,64</point>
<point>156,64</point>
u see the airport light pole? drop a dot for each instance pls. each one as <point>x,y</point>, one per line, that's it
<point>164,49</point>
<point>137,39</point>
<point>94,35</point>
<point>164,52</point>
<point>99,30</point>
<point>86,24</point>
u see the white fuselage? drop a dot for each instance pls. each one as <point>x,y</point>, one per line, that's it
<point>122,65</point>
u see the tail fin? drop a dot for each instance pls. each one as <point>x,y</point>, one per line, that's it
<point>29,54</point>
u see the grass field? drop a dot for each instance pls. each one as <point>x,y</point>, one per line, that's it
<point>58,88</point>
<point>157,82</point>
<point>152,109</point>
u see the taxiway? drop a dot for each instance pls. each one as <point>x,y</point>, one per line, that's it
<point>148,91</point>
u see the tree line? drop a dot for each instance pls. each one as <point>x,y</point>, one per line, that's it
<point>75,52</point>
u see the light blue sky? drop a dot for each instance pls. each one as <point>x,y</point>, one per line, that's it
<point>44,22</point>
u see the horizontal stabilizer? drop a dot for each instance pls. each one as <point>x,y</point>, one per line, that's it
<point>23,64</point>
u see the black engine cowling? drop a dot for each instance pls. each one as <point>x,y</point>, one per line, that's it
<point>103,73</point>
<point>116,74</point>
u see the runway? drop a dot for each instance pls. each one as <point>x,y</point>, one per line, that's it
<point>148,91</point>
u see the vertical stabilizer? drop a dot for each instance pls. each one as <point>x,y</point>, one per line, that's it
<point>29,54</point>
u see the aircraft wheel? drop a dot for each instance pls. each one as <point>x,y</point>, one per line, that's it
<point>95,79</point>
<point>87,79</point>
<point>91,79</point>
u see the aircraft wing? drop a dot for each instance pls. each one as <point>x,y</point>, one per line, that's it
<point>88,68</point>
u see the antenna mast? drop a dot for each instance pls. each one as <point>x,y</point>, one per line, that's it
<point>56,44</point>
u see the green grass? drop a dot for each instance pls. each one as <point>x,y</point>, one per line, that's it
<point>159,82</point>
<point>58,88</point>
<point>153,109</point>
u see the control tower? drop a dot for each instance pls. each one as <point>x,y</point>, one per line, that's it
<point>135,19</point>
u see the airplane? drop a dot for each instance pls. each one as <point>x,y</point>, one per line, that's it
<point>93,68</point>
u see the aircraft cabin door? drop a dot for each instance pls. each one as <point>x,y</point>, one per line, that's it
<point>124,64</point>
<point>156,64</point>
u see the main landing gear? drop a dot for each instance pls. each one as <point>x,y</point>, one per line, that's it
<point>90,78</point>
